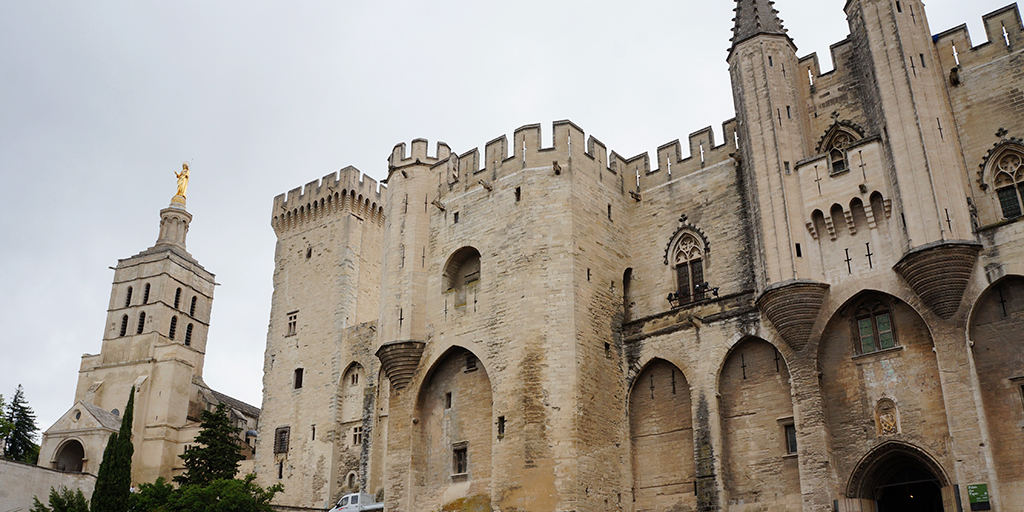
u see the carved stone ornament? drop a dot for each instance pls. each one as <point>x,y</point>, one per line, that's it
<point>939,272</point>
<point>399,359</point>
<point>793,307</point>
<point>886,418</point>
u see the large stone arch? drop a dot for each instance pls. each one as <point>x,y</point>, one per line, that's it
<point>453,431</point>
<point>70,456</point>
<point>885,392</point>
<point>661,438</point>
<point>997,344</point>
<point>758,429</point>
<point>897,474</point>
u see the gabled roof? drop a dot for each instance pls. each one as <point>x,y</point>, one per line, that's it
<point>234,403</point>
<point>106,418</point>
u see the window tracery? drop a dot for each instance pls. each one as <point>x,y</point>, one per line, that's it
<point>1009,182</point>
<point>688,261</point>
<point>837,147</point>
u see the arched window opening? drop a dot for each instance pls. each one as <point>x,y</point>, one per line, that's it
<point>192,308</point>
<point>145,294</point>
<point>688,260</point>
<point>351,480</point>
<point>177,298</point>
<point>174,327</point>
<point>128,297</point>
<point>1009,183</point>
<point>124,325</point>
<point>142,322</point>
<point>462,273</point>
<point>71,457</point>
<point>835,145</point>
<point>873,327</point>
<point>188,335</point>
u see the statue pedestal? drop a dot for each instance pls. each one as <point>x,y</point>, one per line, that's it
<point>180,199</point>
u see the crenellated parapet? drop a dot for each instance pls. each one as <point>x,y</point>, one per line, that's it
<point>1005,34</point>
<point>703,153</point>
<point>347,190</point>
<point>504,155</point>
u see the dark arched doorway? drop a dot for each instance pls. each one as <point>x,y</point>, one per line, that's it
<point>70,457</point>
<point>899,477</point>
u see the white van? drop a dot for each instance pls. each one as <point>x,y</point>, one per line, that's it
<point>357,502</point>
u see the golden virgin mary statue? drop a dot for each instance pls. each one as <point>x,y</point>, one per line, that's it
<point>182,179</point>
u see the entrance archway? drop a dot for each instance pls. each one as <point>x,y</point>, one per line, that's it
<point>899,477</point>
<point>70,457</point>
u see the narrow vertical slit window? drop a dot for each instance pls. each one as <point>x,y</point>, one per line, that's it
<point>142,323</point>
<point>145,294</point>
<point>174,327</point>
<point>128,297</point>
<point>124,325</point>
<point>188,335</point>
<point>298,378</point>
<point>177,298</point>
<point>192,307</point>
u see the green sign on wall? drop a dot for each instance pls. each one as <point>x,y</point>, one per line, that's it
<point>978,493</point>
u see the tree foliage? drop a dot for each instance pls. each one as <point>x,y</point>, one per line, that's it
<point>216,454</point>
<point>5,426</point>
<point>62,501</point>
<point>114,478</point>
<point>226,495</point>
<point>19,444</point>
<point>152,497</point>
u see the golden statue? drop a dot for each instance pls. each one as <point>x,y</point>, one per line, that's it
<point>182,179</point>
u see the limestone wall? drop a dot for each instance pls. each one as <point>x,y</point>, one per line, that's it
<point>20,482</point>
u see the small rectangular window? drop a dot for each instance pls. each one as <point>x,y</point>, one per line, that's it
<point>280,469</point>
<point>790,438</point>
<point>357,436</point>
<point>298,378</point>
<point>455,218</point>
<point>293,321</point>
<point>923,65</point>
<point>799,254</point>
<point>770,63</point>
<point>470,362</point>
<point>354,379</point>
<point>519,194</point>
<point>609,212</point>
<point>501,424</point>
<point>281,439</point>
<point>789,112</point>
<point>899,8</point>
<point>786,165</point>
<point>460,459</point>
<point>448,400</point>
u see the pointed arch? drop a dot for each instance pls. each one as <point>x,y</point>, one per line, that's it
<point>661,438</point>
<point>453,437</point>
<point>755,402</point>
<point>1003,167</point>
<point>835,143</point>
<point>885,460</point>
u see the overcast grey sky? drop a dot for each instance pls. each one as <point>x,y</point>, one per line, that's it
<point>101,101</point>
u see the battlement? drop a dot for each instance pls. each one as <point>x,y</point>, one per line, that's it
<point>418,155</point>
<point>703,153</point>
<point>1005,35</point>
<point>345,190</point>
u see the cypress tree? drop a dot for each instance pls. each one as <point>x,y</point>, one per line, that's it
<point>114,479</point>
<point>216,453</point>
<point>19,444</point>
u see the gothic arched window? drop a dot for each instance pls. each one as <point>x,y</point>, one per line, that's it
<point>124,325</point>
<point>688,260</point>
<point>192,307</point>
<point>837,151</point>
<point>874,329</point>
<point>174,327</point>
<point>177,298</point>
<point>188,335</point>
<point>145,294</point>
<point>142,323</point>
<point>1009,182</point>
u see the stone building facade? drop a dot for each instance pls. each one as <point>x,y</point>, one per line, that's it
<point>155,340</point>
<point>820,313</point>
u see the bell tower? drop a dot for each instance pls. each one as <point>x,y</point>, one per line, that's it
<point>154,338</point>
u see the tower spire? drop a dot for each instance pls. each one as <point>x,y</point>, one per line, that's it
<point>756,17</point>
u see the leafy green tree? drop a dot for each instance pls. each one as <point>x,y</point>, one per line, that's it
<point>62,501</point>
<point>152,497</point>
<point>5,426</point>
<point>227,495</point>
<point>114,479</point>
<point>19,443</point>
<point>216,453</point>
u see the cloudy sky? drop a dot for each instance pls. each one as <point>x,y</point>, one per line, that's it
<point>101,101</point>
